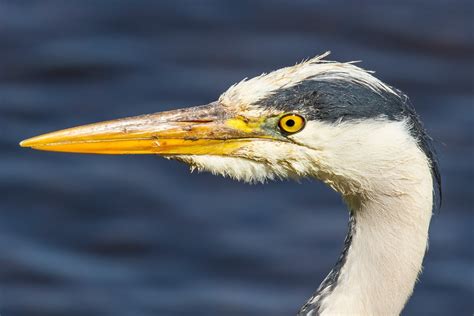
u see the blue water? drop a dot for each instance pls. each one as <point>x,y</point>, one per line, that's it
<point>139,235</point>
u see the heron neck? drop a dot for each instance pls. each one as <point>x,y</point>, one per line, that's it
<point>382,257</point>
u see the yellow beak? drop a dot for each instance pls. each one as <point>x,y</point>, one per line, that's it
<point>202,130</point>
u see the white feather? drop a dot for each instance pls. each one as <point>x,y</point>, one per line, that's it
<point>384,177</point>
<point>248,92</point>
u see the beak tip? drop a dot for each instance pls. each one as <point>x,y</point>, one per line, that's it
<point>28,143</point>
<point>24,143</point>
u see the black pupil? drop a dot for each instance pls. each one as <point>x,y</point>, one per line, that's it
<point>290,123</point>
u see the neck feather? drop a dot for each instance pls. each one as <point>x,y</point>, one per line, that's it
<point>382,255</point>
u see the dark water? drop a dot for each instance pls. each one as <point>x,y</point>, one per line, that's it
<point>105,235</point>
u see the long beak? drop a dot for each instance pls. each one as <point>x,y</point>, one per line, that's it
<point>202,130</point>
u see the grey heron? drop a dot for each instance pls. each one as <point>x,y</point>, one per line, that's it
<point>328,120</point>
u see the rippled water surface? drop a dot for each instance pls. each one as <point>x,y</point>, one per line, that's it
<point>138,235</point>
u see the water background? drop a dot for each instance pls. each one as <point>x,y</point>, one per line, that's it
<point>139,235</point>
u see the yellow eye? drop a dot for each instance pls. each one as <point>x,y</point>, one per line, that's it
<point>291,123</point>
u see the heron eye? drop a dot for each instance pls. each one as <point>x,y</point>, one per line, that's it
<point>291,123</point>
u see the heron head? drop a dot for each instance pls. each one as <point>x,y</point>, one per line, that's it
<point>329,120</point>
